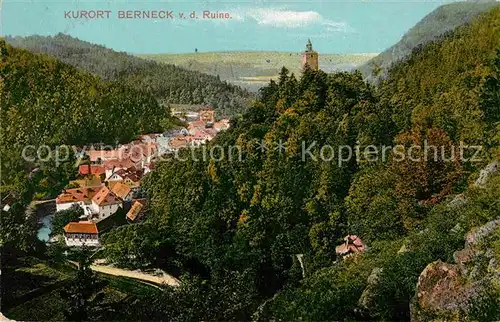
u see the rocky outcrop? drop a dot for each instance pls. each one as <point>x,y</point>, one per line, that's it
<point>465,290</point>
<point>485,173</point>
<point>366,301</point>
<point>440,293</point>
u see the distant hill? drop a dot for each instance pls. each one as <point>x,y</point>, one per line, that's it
<point>253,69</point>
<point>442,20</point>
<point>166,82</point>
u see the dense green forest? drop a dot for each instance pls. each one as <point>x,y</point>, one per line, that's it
<point>442,20</point>
<point>235,229</point>
<point>254,239</point>
<point>47,102</point>
<point>167,83</point>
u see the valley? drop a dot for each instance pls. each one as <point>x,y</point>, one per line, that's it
<point>156,221</point>
<point>252,70</point>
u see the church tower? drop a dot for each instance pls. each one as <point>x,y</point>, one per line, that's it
<point>310,57</point>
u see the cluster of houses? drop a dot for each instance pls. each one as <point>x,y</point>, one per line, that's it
<point>110,181</point>
<point>105,186</point>
<point>201,129</point>
<point>352,245</point>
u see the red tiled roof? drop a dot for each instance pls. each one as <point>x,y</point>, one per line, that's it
<point>134,176</point>
<point>138,152</point>
<point>131,173</point>
<point>105,197</point>
<point>82,227</point>
<point>122,164</point>
<point>205,133</point>
<point>121,172</point>
<point>136,209</point>
<point>221,125</point>
<point>354,240</point>
<point>76,195</point>
<point>94,169</point>
<point>341,249</point>
<point>121,190</point>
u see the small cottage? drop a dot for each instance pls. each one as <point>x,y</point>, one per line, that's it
<point>83,233</point>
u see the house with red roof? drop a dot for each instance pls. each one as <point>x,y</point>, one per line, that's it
<point>112,166</point>
<point>77,196</point>
<point>131,177</point>
<point>352,245</point>
<point>193,127</point>
<point>136,211</point>
<point>105,203</point>
<point>222,125</point>
<point>122,191</point>
<point>178,142</point>
<point>143,153</point>
<point>207,114</point>
<point>94,169</point>
<point>83,233</point>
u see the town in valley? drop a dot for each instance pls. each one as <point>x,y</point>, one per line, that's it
<point>109,181</point>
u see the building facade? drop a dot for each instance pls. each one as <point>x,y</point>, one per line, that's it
<point>76,196</point>
<point>105,203</point>
<point>310,57</point>
<point>83,233</point>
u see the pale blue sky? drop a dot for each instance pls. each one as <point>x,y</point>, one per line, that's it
<point>333,26</point>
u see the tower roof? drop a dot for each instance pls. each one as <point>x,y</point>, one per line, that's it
<point>309,46</point>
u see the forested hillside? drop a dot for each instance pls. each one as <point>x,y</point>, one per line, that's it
<point>167,83</point>
<point>442,20</point>
<point>45,102</point>
<point>256,238</point>
<point>253,236</point>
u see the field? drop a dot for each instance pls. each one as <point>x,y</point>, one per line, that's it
<point>254,69</point>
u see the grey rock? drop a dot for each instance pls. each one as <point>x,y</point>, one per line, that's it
<point>485,173</point>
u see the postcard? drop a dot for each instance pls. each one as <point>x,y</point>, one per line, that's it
<point>249,160</point>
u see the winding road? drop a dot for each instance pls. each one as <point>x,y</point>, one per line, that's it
<point>166,279</point>
<point>161,280</point>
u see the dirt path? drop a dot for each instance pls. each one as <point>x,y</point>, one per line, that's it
<point>165,279</point>
<point>158,280</point>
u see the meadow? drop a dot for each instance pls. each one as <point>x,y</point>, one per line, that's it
<point>254,69</point>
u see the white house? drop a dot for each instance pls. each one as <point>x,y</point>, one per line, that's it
<point>115,176</point>
<point>81,233</point>
<point>112,166</point>
<point>105,203</point>
<point>77,196</point>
